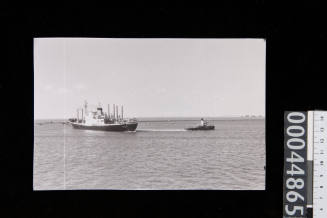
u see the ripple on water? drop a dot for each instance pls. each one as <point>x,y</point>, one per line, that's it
<point>158,155</point>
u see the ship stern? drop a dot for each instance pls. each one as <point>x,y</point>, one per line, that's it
<point>131,126</point>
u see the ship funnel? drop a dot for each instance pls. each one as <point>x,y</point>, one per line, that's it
<point>99,111</point>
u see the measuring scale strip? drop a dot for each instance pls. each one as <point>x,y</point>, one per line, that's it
<point>319,163</point>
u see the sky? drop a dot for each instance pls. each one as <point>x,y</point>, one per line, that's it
<point>150,77</point>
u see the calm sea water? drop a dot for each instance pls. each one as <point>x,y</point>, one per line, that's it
<point>159,155</point>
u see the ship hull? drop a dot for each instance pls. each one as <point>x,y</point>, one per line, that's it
<point>108,127</point>
<point>201,128</point>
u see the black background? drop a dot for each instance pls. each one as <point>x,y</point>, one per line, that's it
<point>295,68</point>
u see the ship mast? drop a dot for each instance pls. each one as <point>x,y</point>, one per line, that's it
<point>108,111</point>
<point>122,112</point>
<point>114,114</point>
<point>85,106</point>
<point>117,111</point>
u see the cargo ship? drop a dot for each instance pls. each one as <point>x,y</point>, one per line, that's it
<point>99,120</point>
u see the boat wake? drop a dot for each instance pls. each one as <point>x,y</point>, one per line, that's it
<point>161,130</point>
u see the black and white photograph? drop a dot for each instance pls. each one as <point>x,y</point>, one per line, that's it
<point>149,114</point>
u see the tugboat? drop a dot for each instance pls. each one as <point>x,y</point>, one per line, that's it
<point>98,120</point>
<point>203,126</point>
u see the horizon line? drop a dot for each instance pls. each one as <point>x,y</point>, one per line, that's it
<point>229,116</point>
